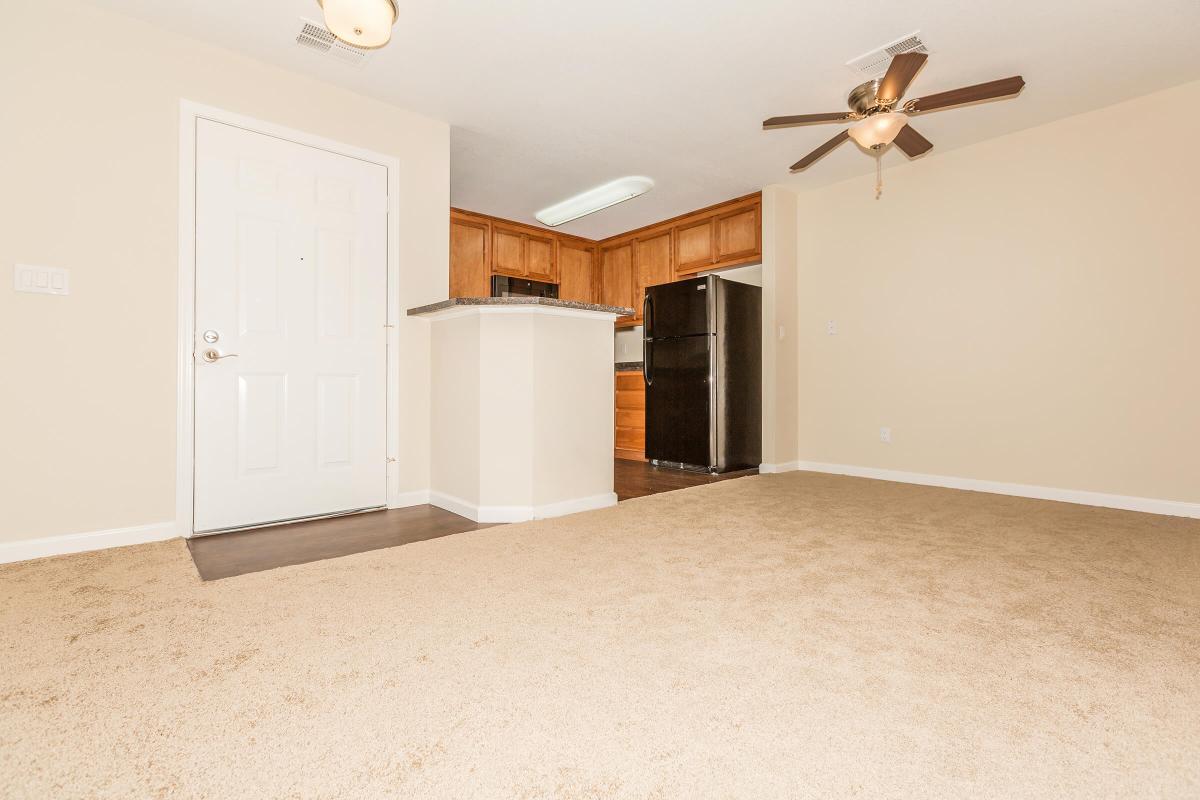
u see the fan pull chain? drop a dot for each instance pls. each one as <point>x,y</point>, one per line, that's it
<point>878,173</point>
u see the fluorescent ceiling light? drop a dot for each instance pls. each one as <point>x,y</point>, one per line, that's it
<point>594,200</point>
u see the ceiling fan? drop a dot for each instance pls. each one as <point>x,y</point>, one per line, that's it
<point>879,118</point>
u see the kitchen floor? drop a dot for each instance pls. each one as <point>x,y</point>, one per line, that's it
<point>640,478</point>
<point>230,554</point>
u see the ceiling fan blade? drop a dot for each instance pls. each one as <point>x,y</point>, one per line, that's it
<point>820,151</point>
<point>1005,87</point>
<point>900,74</point>
<point>912,143</point>
<point>804,119</point>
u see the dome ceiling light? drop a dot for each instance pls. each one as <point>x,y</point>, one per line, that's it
<point>362,23</point>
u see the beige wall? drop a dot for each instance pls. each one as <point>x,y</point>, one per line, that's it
<point>455,392</point>
<point>89,157</point>
<point>522,412</point>
<point>574,413</point>
<point>780,327</point>
<point>505,444</point>
<point>1025,310</point>
<point>628,344</point>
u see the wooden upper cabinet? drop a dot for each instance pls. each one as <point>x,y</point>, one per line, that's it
<point>508,251</point>
<point>654,265</point>
<point>540,258</point>
<point>654,260</point>
<point>576,271</point>
<point>470,268</point>
<point>483,246</point>
<point>522,254</point>
<point>724,236</point>
<point>739,234</point>
<point>616,277</point>
<point>615,271</point>
<point>694,245</point>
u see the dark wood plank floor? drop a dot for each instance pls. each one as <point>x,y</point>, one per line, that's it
<point>640,478</point>
<point>229,554</point>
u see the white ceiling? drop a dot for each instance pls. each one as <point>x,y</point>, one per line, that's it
<point>547,98</point>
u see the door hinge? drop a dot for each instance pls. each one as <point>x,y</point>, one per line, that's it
<point>390,460</point>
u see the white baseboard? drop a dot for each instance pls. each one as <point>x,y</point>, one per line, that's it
<point>575,505</point>
<point>476,513</point>
<point>479,513</point>
<point>83,542</point>
<point>407,499</point>
<point>1149,505</point>
<point>771,469</point>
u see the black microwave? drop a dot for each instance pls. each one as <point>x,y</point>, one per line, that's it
<point>504,286</point>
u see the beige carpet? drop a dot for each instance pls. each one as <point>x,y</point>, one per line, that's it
<point>779,636</point>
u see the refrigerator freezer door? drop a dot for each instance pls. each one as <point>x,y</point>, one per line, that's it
<point>677,401</point>
<point>678,309</point>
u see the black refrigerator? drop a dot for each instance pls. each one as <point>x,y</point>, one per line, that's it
<point>702,363</point>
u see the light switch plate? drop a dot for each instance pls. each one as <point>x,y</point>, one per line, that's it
<point>41,280</point>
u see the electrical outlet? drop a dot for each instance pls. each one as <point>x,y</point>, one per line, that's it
<point>781,333</point>
<point>885,435</point>
<point>831,327</point>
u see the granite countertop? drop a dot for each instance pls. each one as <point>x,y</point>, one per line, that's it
<point>518,301</point>
<point>629,366</point>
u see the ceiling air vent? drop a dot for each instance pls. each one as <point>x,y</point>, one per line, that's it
<point>875,63</point>
<point>316,37</point>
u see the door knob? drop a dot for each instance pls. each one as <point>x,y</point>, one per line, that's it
<point>212,356</point>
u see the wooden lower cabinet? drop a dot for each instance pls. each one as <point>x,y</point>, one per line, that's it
<point>631,416</point>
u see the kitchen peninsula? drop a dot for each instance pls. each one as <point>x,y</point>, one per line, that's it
<point>522,412</point>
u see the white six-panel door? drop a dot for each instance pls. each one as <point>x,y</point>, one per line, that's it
<point>291,282</point>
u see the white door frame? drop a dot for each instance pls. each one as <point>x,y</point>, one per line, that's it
<point>189,113</point>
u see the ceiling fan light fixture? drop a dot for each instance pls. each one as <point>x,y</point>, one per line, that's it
<point>594,200</point>
<point>362,23</point>
<point>878,130</point>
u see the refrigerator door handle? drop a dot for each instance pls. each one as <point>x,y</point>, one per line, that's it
<point>648,361</point>
<point>647,339</point>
